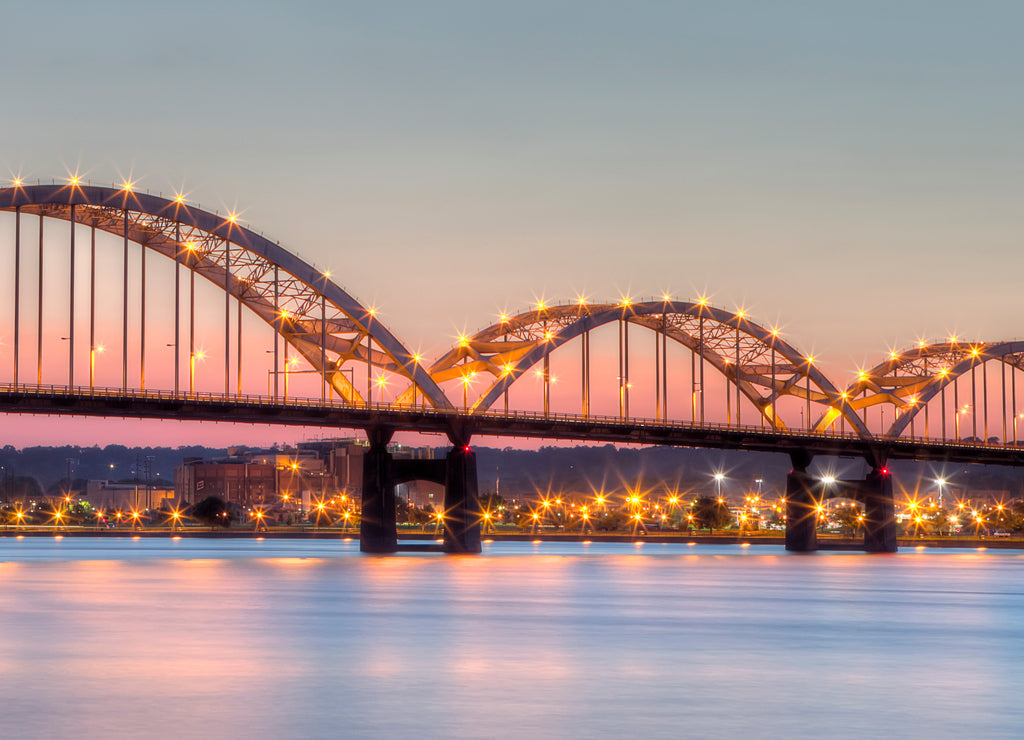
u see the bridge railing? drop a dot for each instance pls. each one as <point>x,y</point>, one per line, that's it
<point>83,393</point>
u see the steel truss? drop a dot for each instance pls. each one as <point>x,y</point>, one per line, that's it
<point>757,363</point>
<point>313,315</point>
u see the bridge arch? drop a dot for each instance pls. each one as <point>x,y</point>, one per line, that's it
<point>322,321</point>
<point>909,379</point>
<point>756,361</point>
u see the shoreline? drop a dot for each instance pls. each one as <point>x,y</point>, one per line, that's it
<point>826,543</point>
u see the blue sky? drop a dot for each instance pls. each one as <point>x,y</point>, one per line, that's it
<point>852,171</point>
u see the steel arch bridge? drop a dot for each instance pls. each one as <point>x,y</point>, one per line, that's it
<point>311,313</point>
<point>312,317</point>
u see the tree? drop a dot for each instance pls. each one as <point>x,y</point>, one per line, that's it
<point>711,513</point>
<point>421,516</point>
<point>941,520</point>
<point>213,512</point>
<point>615,520</point>
<point>402,510</point>
<point>849,519</point>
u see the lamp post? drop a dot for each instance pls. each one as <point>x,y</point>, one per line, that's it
<point>956,418</point>
<point>93,351</point>
<point>467,378</point>
<point>939,483</point>
<point>719,477</point>
<point>826,481</point>
<point>193,356</point>
<point>289,363</point>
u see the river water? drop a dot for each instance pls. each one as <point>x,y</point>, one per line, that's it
<point>158,638</point>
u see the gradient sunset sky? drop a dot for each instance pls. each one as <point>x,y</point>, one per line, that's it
<point>853,172</point>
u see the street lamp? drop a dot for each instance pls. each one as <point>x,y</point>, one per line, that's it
<point>193,356</point>
<point>290,363</point>
<point>92,364</point>
<point>940,482</point>
<point>826,480</point>
<point>467,378</point>
<point>956,418</point>
<point>719,477</point>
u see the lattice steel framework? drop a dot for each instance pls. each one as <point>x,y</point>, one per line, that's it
<point>756,361</point>
<point>325,325</point>
<point>329,329</point>
<point>909,379</point>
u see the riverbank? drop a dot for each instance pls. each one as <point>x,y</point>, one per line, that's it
<point>825,542</point>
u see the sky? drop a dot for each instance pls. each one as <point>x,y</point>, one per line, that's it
<point>849,171</point>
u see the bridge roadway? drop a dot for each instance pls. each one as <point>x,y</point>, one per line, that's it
<point>458,471</point>
<point>251,409</point>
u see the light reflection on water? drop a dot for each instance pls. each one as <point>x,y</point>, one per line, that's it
<point>154,638</point>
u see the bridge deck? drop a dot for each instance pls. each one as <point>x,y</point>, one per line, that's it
<point>109,402</point>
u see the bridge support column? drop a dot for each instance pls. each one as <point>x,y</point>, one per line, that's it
<point>879,511</point>
<point>378,531</point>
<point>461,505</point>
<point>801,507</point>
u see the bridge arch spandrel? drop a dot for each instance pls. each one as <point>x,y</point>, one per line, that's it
<point>306,308</point>
<point>507,350</point>
<point>910,379</point>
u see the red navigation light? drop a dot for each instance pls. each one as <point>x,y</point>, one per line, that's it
<point>467,448</point>
<point>885,471</point>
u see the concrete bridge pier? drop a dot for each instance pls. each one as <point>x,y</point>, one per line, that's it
<point>461,505</point>
<point>378,532</point>
<point>879,511</point>
<point>801,506</point>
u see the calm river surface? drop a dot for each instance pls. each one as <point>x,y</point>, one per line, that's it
<point>155,638</point>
